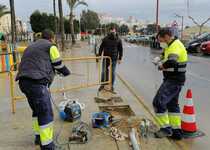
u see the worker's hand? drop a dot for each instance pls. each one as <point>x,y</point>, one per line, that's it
<point>156,60</point>
<point>160,67</point>
<point>119,62</point>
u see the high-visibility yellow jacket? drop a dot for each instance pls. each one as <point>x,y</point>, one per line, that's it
<point>175,60</point>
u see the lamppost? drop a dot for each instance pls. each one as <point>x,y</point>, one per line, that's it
<point>182,28</point>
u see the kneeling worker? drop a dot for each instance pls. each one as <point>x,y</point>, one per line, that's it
<point>173,64</point>
<point>35,73</point>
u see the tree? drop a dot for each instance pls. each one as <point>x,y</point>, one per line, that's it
<point>67,26</point>
<point>3,10</point>
<point>135,28</point>
<point>152,28</point>
<point>201,25</point>
<point>89,20</point>
<point>40,21</point>
<point>73,4</point>
<point>110,26</point>
<point>13,22</point>
<point>124,29</point>
<point>13,30</point>
<point>61,24</point>
<point>35,21</point>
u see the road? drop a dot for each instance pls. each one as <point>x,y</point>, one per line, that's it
<point>139,71</point>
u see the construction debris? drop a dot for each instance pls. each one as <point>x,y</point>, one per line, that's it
<point>117,134</point>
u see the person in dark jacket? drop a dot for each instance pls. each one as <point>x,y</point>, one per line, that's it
<point>35,73</point>
<point>111,46</point>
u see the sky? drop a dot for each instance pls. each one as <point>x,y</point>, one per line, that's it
<point>141,9</point>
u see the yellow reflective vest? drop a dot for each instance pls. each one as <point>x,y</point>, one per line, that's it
<point>175,60</point>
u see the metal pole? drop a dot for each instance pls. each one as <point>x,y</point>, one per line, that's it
<point>188,8</point>
<point>182,24</point>
<point>157,15</point>
<point>133,139</point>
<point>182,27</point>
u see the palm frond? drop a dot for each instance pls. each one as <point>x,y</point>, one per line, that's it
<point>3,10</point>
<point>71,3</point>
<point>80,3</point>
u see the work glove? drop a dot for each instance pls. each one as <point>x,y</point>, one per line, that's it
<point>157,61</point>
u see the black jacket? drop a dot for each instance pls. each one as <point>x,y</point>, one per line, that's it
<point>112,46</point>
<point>36,64</point>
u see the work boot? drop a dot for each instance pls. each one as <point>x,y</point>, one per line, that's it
<point>162,133</point>
<point>37,140</point>
<point>177,134</point>
<point>101,88</point>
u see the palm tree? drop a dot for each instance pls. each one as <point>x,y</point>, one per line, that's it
<point>55,18</point>
<point>3,10</point>
<point>13,22</point>
<point>73,4</point>
<point>13,29</point>
<point>61,23</point>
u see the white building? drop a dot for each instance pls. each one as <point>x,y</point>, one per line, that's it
<point>5,24</point>
<point>105,18</point>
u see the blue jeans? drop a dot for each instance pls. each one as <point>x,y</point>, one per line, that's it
<point>105,71</point>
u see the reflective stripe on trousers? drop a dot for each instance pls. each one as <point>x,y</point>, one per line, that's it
<point>46,133</point>
<point>163,119</point>
<point>175,120</point>
<point>35,125</point>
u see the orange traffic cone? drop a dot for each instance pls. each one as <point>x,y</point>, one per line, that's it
<point>188,125</point>
<point>188,116</point>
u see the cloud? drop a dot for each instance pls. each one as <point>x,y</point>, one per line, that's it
<point>142,9</point>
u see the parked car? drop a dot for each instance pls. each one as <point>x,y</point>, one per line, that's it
<point>194,45</point>
<point>132,39</point>
<point>205,47</point>
<point>142,38</point>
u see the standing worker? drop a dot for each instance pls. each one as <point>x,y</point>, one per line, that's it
<point>111,46</point>
<point>173,63</point>
<point>35,74</point>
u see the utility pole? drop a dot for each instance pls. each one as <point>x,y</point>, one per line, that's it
<point>200,25</point>
<point>157,16</point>
<point>188,8</point>
<point>182,26</point>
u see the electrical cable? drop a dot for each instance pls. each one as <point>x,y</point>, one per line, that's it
<point>60,146</point>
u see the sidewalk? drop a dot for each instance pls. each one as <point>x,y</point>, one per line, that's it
<point>16,132</point>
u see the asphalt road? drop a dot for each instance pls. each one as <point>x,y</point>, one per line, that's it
<point>139,71</point>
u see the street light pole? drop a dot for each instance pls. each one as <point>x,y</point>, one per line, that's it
<point>188,8</point>
<point>157,15</point>
<point>182,28</point>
